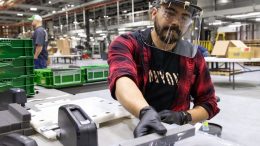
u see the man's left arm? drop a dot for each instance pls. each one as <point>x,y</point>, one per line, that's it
<point>38,50</point>
<point>39,42</point>
<point>203,92</point>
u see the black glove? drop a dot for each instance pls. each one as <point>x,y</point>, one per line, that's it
<point>149,122</point>
<point>171,117</point>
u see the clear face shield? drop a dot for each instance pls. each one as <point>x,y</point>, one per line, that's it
<point>182,27</point>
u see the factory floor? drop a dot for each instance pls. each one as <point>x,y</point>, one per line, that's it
<point>240,108</point>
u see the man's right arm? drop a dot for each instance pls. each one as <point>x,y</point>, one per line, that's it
<point>130,96</point>
<point>123,83</point>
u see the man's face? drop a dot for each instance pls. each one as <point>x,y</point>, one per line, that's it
<point>34,22</point>
<point>170,22</point>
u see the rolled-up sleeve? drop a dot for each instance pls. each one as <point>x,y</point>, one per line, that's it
<point>203,90</point>
<point>120,61</point>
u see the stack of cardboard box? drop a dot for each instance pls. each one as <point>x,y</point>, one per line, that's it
<point>232,49</point>
<point>63,46</point>
<point>256,51</point>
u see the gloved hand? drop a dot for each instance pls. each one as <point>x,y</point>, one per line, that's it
<point>149,122</point>
<point>171,117</point>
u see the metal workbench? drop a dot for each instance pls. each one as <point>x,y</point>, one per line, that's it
<point>114,132</point>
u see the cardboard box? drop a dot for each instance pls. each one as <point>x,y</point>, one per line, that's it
<point>232,49</point>
<point>240,52</point>
<point>256,51</point>
<point>64,46</point>
<point>220,48</point>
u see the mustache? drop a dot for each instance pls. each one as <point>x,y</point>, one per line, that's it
<point>172,28</point>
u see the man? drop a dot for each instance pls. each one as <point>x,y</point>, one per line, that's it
<point>40,43</point>
<point>159,70</point>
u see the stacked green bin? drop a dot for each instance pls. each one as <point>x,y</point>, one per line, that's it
<point>9,68</point>
<point>16,65</point>
<point>24,82</point>
<point>95,73</point>
<point>58,78</point>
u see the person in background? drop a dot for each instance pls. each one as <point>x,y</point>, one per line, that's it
<point>153,73</point>
<point>40,43</point>
<point>204,51</point>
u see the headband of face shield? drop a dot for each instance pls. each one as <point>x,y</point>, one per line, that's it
<point>190,26</point>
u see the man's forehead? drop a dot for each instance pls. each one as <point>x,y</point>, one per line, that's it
<point>176,7</point>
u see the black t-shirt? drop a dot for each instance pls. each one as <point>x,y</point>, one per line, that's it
<point>163,79</point>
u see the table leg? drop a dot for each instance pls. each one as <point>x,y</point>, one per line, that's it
<point>229,69</point>
<point>233,66</point>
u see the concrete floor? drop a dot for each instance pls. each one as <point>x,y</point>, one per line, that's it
<point>240,108</point>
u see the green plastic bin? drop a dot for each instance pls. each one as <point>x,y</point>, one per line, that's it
<point>16,42</point>
<point>4,87</point>
<point>14,48</point>
<point>8,71</point>
<point>18,62</point>
<point>23,82</point>
<point>58,78</point>
<point>95,73</point>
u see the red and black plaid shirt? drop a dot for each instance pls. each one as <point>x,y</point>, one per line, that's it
<point>128,56</point>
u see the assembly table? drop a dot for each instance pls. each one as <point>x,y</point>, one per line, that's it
<point>215,65</point>
<point>113,132</point>
<point>71,58</point>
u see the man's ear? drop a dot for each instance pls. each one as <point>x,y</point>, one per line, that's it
<point>154,11</point>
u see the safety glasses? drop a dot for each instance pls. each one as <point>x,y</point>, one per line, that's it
<point>171,14</point>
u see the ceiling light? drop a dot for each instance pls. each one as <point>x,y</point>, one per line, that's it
<point>49,2</point>
<point>244,15</point>
<point>2,3</point>
<point>236,24</point>
<point>121,32</point>
<point>223,1</point>
<point>19,14</point>
<point>53,12</point>
<point>33,9</point>
<point>99,31</point>
<point>125,11</point>
<point>121,29</point>
<point>217,22</point>
<point>72,5</point>
<point>257,19</point>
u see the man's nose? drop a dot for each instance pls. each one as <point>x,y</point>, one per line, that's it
<point>175,22</point>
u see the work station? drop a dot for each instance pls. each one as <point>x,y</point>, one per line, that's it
<point>129,72</point>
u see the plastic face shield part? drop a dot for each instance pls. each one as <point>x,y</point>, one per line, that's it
<point>171,15</point>
<point>188,44</point>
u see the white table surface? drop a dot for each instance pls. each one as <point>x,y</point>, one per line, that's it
<point>114,132</point>
<point>215,59</point>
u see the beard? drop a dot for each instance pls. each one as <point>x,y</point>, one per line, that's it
<point>169,34</point>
